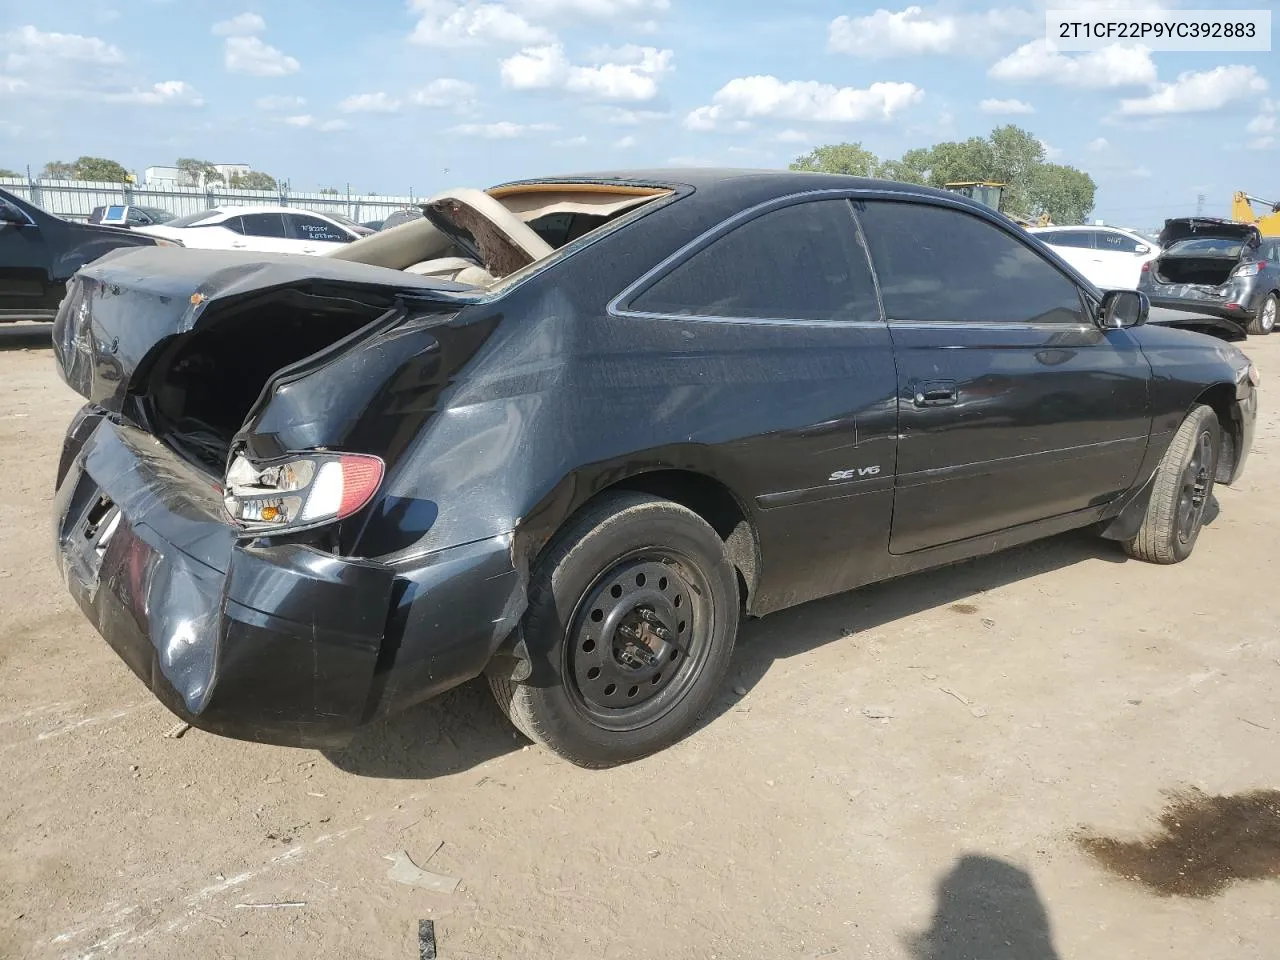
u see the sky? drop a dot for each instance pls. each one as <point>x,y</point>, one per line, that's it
<point>418,96</point>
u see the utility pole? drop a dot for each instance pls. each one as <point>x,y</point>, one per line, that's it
<point>1200,205</point>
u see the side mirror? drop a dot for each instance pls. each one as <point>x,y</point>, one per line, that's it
<point>1121,309</point>
<point>11,214</point>
<point>1141,248</point>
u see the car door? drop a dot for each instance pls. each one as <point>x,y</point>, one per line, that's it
<point>1073,246</point>
<point>1013,405</point>
<point>265,232</point>
<point>771,331</point>
<point>27,288</point>
<point>310,234</point>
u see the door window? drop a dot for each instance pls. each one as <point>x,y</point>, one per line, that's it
<point>1082,239</point>
<point>802,262</point>
<point>263,225</point>
<point>1116,242</point>
<point>314,229</point>
<point>939,264</point>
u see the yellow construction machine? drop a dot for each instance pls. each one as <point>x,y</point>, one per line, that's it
<point>1242,210</point>
<point>990,193</point>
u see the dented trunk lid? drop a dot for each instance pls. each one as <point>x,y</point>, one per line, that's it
<point>120,310</point>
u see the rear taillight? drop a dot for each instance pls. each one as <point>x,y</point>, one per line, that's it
<point>299,492</point>
<point>1146,266</point>
<point>1249,269</point>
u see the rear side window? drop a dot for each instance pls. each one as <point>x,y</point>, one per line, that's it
<point>936,263</point>
<point>191,219</point>
<point>315,229</point>
<point>802,262</point>
<point>264,225</point>
<point>1117,242</point>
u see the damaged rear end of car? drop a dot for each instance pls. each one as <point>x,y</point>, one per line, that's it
<point>223,514</point>
<point>1208,266</point>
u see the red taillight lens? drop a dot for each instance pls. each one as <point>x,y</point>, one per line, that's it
<point>1146,267</point>
<point>300,492</point>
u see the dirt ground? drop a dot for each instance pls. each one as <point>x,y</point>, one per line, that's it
<point>841,799</point>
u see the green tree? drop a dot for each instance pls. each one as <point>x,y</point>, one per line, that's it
<point>972,159</point>
<point>198,172</point>
<point>58,170</point>
<point>6,172</point>
<point>848,158</point>
<point>329,191</point>
<point>253,180</point>
<point>1063,192</point>
<point>912,168</point>
<point>100,169</point>
<point>1016,157</point>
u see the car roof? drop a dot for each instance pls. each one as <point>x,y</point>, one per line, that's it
<point>728,179</point>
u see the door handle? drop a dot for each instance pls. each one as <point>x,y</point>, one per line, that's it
<point>936,393</point>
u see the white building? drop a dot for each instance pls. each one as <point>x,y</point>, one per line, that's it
<point>172,176</point>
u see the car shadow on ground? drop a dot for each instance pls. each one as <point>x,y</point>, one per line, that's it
<point>449,734</point>
<point>24,336</point>
<point>465,728</point>
<point>986,909</point>
<point>800,629</point>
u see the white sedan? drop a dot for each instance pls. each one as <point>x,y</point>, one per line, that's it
<point>264,229</point>
<point>1110,257</point>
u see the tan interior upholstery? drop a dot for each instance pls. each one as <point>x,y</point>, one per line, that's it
<point>397,248</point>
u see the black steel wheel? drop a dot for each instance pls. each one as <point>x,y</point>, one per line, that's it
<point>1181,491</point>
<point>633,609</point>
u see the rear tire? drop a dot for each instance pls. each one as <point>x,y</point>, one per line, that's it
<point>1264,321</point>
<point>1182,491</point>
<point>633,611</point>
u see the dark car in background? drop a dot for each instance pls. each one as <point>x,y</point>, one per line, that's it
<point>566,433</point>
<point>121,215</point>
<point>1220,268</point>
<point>39,253</point>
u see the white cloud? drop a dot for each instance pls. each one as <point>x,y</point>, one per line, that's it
<point>1099,145</point>
<point>450,23</point>
<point>577,141</point>
<point>330,125</point>
<point>1050,153</point>
<point>29,47</point>
<point>241,25</point>
<point>1262,143</point>
<point>768,97</point>
<point>369,103</point>
<point>11,84</point>
<point>600,9</point>
<point>307,121</point>
<point>625,143</point>
<point>1198,92</point>
<point>165,93</point>
<point>250,55</point>
<point>632,76</point>
<point>1005,106</point>
<point>625,117</point>
<point>445,92</point>
<point>913,31</point>
<point>280,103</point>
<point>301,120</point>
<point>1142,173</point>
<point>793,136</point>
<point>501,130</point>
<point>1097,69</point>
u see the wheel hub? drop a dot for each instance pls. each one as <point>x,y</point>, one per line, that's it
<point>632,635</point>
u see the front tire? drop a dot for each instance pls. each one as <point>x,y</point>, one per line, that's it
<point>1264,321</point>
<point>633,611</point>
<point>1181,492</point>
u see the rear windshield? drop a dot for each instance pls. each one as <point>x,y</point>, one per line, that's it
<point>191,219</point>
<point>159,216</point>
<point>1207,247</point>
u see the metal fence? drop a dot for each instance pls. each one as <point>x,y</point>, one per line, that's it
<point>75,199</point>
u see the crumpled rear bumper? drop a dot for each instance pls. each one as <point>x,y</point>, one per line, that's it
<point>273,642</point>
